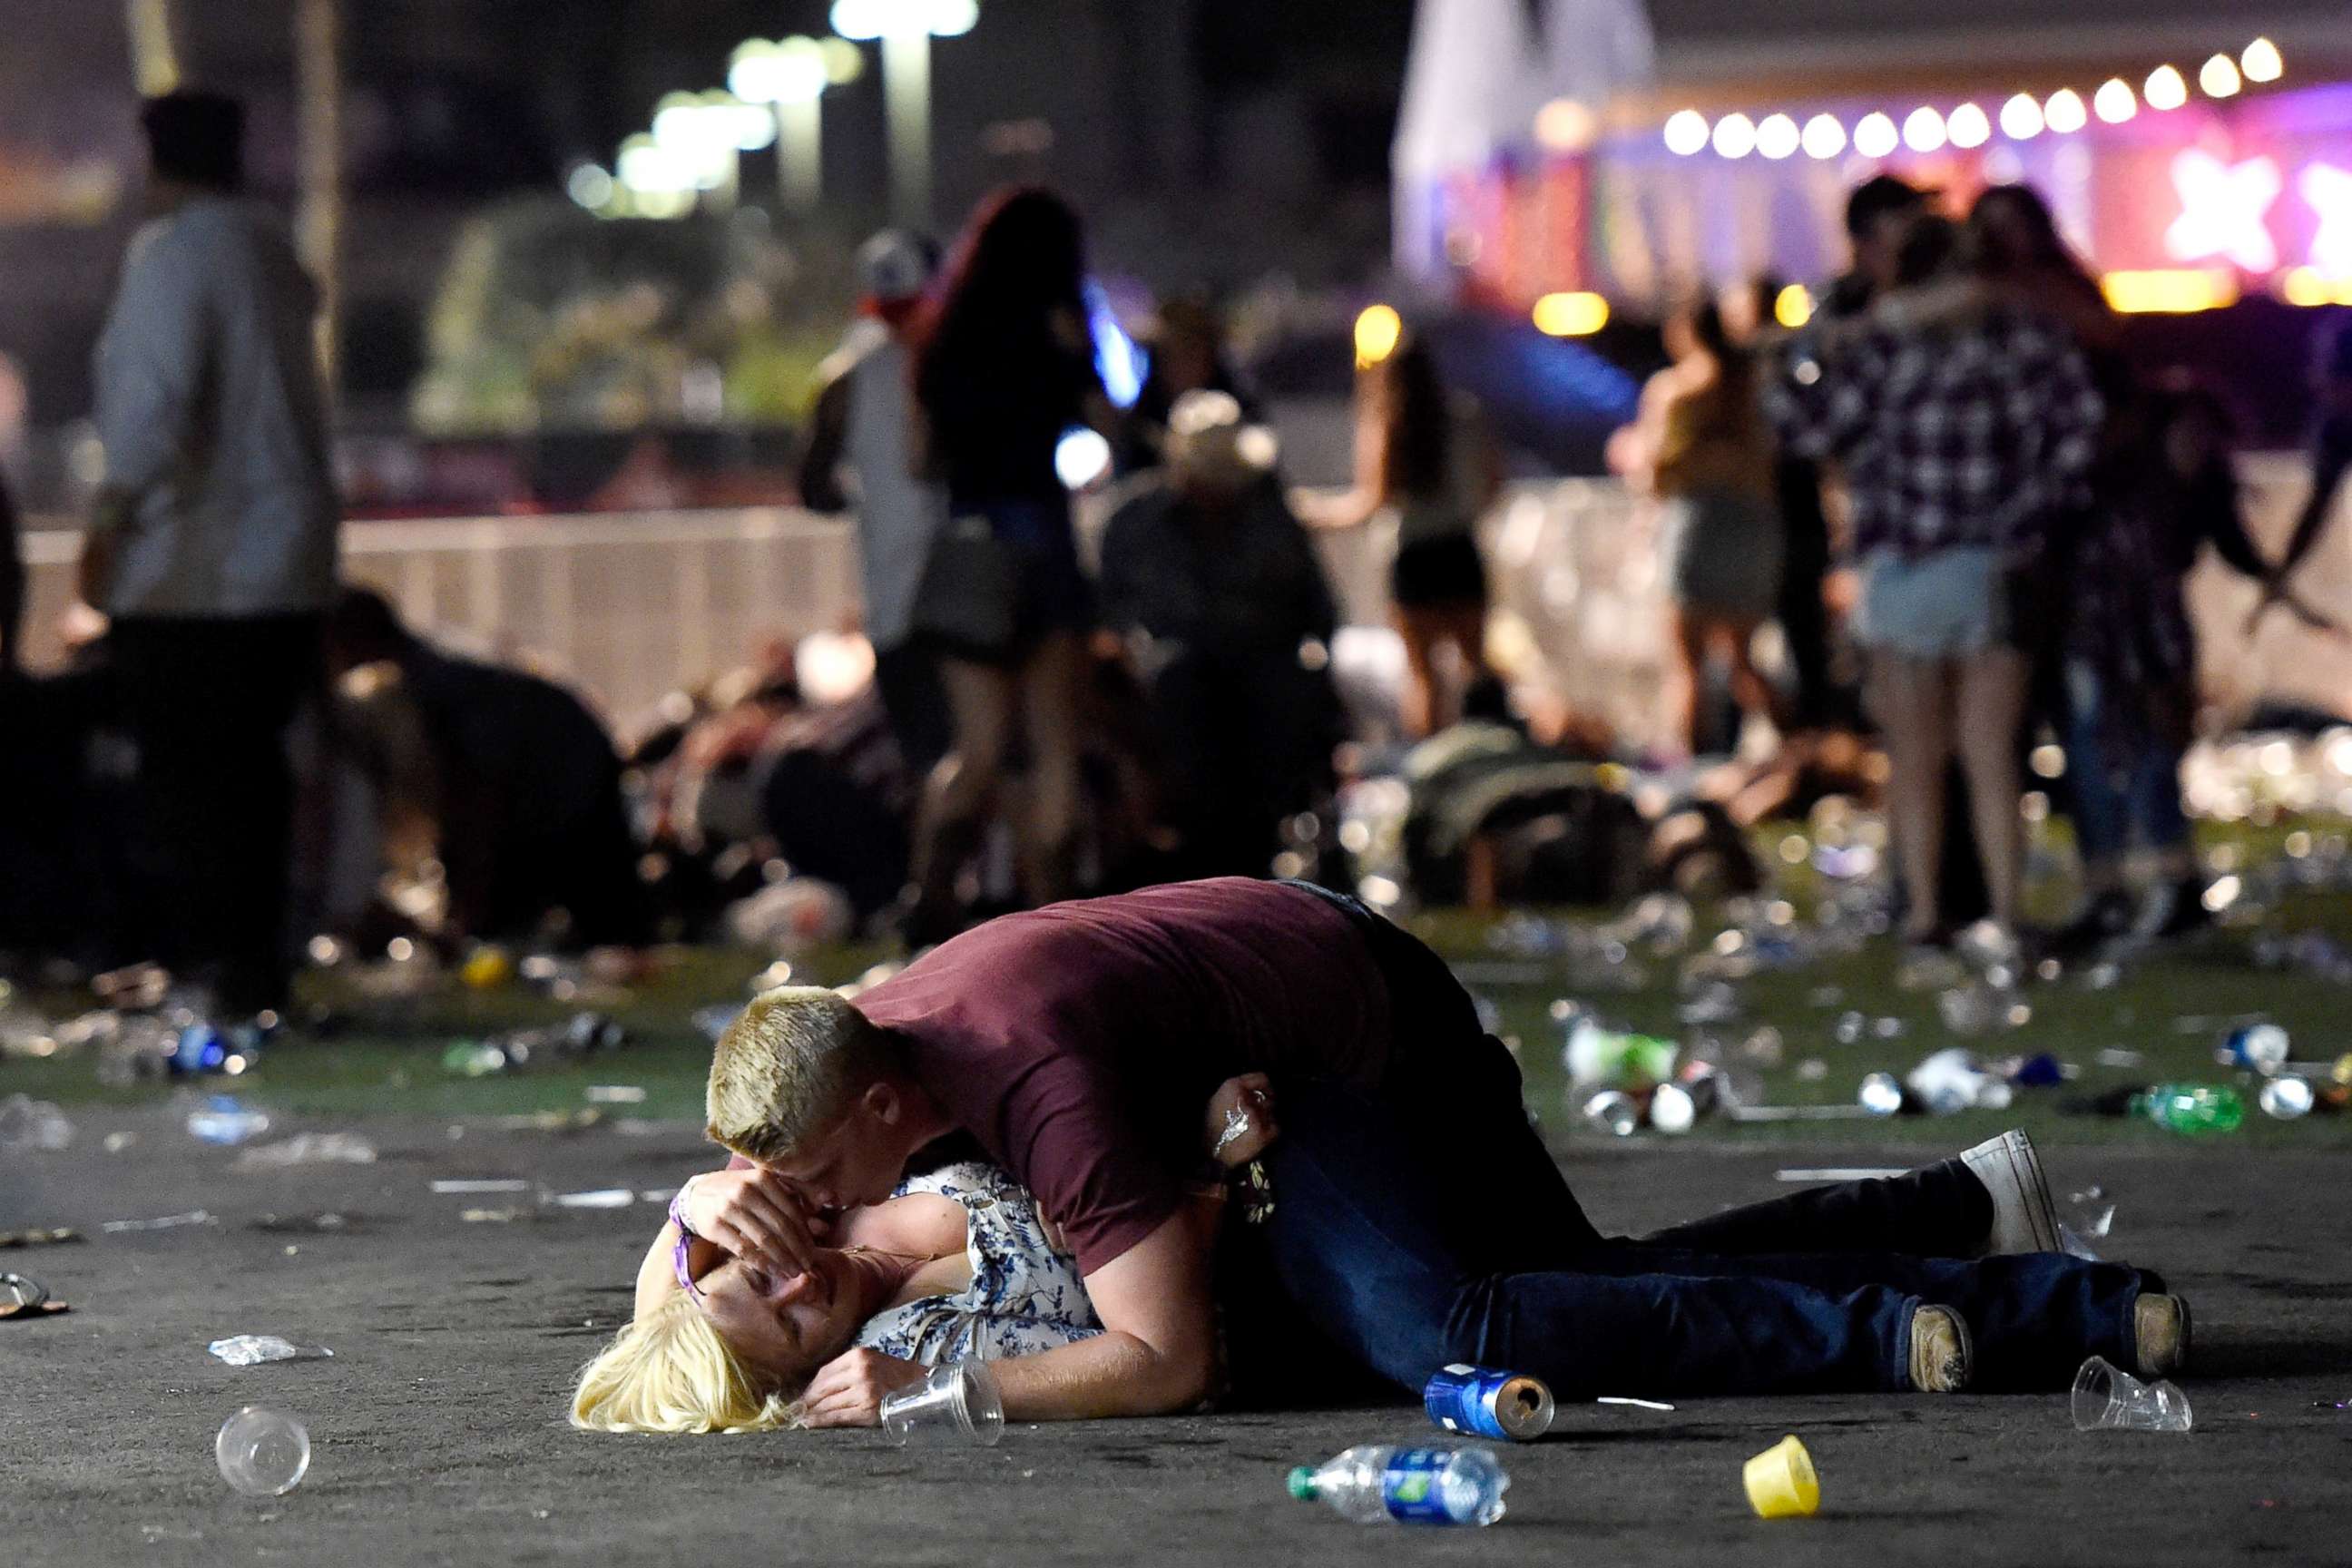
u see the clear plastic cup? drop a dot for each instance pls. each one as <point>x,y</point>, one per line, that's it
<point>1781,1482</point>
<point>2109,1399</point>
<point>262,1453</point>
<point>958,1404</point>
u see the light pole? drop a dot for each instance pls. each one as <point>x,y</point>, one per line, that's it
<point>906,28</point>
<point>791,76</point>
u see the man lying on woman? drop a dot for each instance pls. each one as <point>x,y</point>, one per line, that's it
<point>1416,1219</point>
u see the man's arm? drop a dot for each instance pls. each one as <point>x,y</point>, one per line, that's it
<point>820,466</point>
<point>1157,1354</point>
<point>151,368</point>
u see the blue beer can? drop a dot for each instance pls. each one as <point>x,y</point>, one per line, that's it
<point>1508,1406</point>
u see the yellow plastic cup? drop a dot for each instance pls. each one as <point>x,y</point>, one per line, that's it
<point>1781,1483</point>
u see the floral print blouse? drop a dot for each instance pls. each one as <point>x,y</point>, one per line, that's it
<point>1025,1294</point>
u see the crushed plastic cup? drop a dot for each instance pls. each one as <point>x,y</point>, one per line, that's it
<point>958,1404</point>
<point>1954,1080</point>
<point>29,1124</point>
<point>253,1350</point>
<point>2090,1212</point>
<point>310,1149</point>
<point>599,1198</point>
<point>2261,1047</point>
<point>2287,1099</point>
<point>227,1119</point>
<point>1781,1482</point>
<point>2109,1399</point>
<point>1615,1112</point>
<point>262,1453</point>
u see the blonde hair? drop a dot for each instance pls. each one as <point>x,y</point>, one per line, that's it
<point>791,1064</point>
<point>670,1371</point>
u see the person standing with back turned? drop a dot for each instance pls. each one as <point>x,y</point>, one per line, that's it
<point>212,548</point>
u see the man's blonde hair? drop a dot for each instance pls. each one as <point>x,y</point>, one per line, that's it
<point>670,1371</point>
<point>788,1067</point>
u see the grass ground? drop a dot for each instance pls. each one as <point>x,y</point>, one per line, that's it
<point>2172,1009</point>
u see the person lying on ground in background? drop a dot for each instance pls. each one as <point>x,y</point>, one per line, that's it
<point>958,1264</point>
<point>1415,1219</point>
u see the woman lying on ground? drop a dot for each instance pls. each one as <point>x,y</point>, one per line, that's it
<point>959,1266</point>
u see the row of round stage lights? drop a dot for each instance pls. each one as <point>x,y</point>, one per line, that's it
<point>1928,130</point>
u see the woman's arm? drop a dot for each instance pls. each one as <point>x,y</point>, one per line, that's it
<point>1369,491</point>
<point>1156,1356</point>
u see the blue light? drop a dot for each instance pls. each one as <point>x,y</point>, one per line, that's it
<point>1120,360</point>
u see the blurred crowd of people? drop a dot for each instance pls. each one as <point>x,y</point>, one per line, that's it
<point>2014,505</point>
<point>1967,511</point>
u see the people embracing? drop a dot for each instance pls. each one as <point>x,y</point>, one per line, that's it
<point>1073,1048</point>
<point>1968,424</point>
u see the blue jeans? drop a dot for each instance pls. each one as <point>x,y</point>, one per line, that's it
<point>1425,1223</point>
<point>2124,778</point>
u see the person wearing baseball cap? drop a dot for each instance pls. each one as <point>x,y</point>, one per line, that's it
<point>862,430</point>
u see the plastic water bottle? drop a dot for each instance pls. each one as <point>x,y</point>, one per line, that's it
<point>2194,1109</point>
<point>1412,1485</point>
<point>1596,1056</point>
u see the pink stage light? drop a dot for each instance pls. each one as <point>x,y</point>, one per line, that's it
<point>2222,208</point>
<point>2328,189</point>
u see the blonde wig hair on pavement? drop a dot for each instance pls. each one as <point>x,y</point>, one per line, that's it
<point>670,1371</point>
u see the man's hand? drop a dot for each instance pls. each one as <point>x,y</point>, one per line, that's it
<point>111,513</point>
<point>756,1213</point>
<point>1240,1124</point>
<point>848,1390</point>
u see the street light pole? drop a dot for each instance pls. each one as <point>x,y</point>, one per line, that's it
<point>318,226</point>
<point>800,153</point>
<point>906,28</point>
<point>907,93</point>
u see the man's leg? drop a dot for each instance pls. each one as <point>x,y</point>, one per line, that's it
<point>1372,1237</point>
<point>2033,1317</point>
<point>1938,1211</point>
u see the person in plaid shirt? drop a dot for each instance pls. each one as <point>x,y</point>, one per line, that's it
<point>1964,423</point>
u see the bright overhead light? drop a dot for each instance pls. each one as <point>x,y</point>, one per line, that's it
<point>1778,136</point>
<point>1824,137</point>
<point>2261,62</point>
<point>591,186</point>
<point>1922,130</point>
<point>2219,78</point>
<point>1573,315</point>
<point>648,168</point>
<point>793,71</point>
<point>2164,88</point>
<point>2114,101</point>
<point>868,19</point>
<point>1564,125</point>
<point>1735,136</point>
<point>844,62</point>
<point>2020,118</point>
<point>1686,132</point>
<point>1874,136</point>
<point>2063,112</point>
<point>1969,126</point>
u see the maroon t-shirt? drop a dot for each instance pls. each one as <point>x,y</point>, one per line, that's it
<point>1079,1043</point>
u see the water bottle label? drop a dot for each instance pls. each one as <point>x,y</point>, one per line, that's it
<point>1409,1486</point>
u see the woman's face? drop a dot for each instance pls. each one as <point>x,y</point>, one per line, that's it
<point>785,1328</point>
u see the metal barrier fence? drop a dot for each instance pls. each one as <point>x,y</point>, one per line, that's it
<point>630,606</point>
